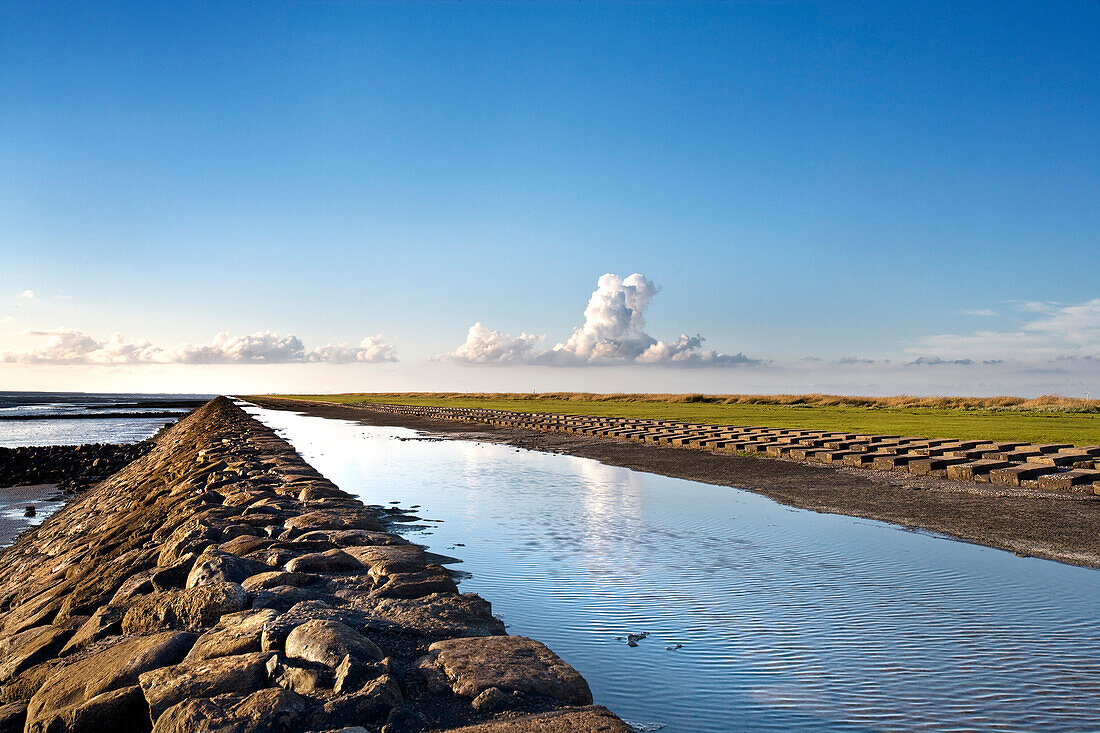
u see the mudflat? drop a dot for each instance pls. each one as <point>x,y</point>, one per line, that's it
<point>1056,526</point>
<point>14,501</point>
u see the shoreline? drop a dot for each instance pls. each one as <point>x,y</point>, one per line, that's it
<point>15,499</point>
<point>220,582</point>
<point>1027,522</point>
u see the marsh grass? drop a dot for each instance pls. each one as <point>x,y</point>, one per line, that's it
<point>1047,419</point>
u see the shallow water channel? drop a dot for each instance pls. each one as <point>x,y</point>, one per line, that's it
<point>758,616</point>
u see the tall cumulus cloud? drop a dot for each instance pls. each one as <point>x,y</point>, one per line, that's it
<point>613,332</point>
<point>70,346</point>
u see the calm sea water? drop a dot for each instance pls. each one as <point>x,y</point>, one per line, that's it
<point>759,616</point>
<point>72,418</point>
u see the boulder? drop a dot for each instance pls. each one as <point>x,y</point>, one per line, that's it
<point>439,614</point>
<point>241,674</point>
<point>263,581</point>
<point>353,537</point>
<point>301,680</point>
<point>328,642</point>
<point>353,674</point>
<point>235,633</point>
<point>285,597</point>
<point>241,546</point>
<point>393,582</point>
<point>469,666</point>
<point>191,609</point>
<point>331,561</point>
<point>27,648</point>
<point>122,710</point>
<point>590,719</point>
<point>346,518</point>
<point>138,584</point>
<point>175,575</point>
<point>395,557</point>
<point>266,711</point>
<point>372,703</point>
<point>13,717</point>
<point>72,684</point>
<point>215,566</point>
<point>104,621</point>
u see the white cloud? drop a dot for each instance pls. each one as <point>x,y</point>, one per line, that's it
<point>370,350</point>
<point>981,312</point>
<point>27,294</point>
<point>70,346</point>
<point>613,332</point>
<point>1052,330</point>
<point>488,346</point>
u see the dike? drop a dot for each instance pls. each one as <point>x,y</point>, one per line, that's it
<point>219,583</point>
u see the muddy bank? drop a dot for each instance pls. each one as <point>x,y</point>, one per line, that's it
<point>220,583</point>
<point>1063,527</point>
<point>24,506</point>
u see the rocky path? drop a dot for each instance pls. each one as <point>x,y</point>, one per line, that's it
<point>219,583</point>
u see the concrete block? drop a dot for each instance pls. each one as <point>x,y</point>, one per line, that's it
<point>1069,480</point>
<point>933,466</point>
<point>1014,475</point>
<point>975,470</point>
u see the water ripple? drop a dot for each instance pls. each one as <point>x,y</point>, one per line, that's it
<point>758,617</point>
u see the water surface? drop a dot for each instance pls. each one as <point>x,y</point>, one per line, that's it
<point>759,616</point>
<point>74,418</point>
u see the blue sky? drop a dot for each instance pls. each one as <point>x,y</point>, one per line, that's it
<point>822,180</point>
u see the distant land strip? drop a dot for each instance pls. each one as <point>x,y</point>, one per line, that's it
<point>1042,420</point>
<point>1049,466</point>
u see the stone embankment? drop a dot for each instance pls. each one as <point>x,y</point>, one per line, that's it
<point>219,583</point>
<point>70,467</point>
<point>1054,466</point>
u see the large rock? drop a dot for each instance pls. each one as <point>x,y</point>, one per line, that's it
<point>105,621</point>
<point>439,614</point>
<point>236,633</point>
<point>27,648</point>
<point>345,518</point>
<point>472,665</point>
<point>13,717</point>
<point>267,711</point>
<point>214,566</point>
<point>75,683</point>
<point>242,674</point>
<point>328,642</point>
<point>275,578</point>
<point>396,558</point>
<point>192,609</point>
<point>122,710</point>
<point>175,575</point>
<point>353,537</point>
<point>331,561</point>
<point>370,704</point>
<point>393,581</point>
<point>592,719</point>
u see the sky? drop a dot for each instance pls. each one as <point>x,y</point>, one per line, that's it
<point>869,198</point>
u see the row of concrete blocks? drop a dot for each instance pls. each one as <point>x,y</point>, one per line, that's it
<point>1052,466</point>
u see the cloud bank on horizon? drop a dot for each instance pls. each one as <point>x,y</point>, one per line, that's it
<point>1052,331</point>
<point>69,346</point>
<point>613,333</point>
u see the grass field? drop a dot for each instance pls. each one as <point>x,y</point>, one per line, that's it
<point>1047,420</point>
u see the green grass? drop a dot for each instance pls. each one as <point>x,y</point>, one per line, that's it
<point>1033,426</point>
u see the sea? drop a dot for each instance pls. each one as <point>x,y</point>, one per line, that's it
<point>74,418</point>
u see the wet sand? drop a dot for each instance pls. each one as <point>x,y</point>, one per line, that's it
<point>14,500</point>
<point>1063,527</point>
